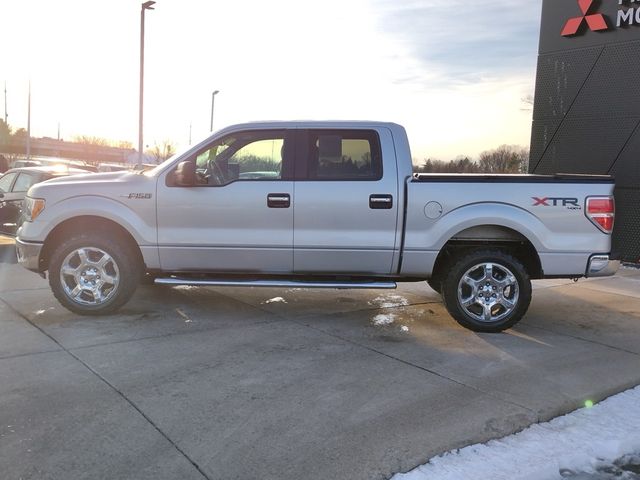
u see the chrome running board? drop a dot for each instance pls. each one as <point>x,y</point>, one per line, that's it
<point>274,283</point>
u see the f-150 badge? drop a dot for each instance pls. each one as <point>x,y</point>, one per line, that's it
<point>137,196</point>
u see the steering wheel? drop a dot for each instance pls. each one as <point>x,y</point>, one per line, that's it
<point>213,175</point>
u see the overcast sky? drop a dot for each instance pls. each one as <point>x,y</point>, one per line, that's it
<point>452,71</point>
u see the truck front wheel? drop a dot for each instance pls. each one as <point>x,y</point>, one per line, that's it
<point>93,273</point>
<point>487,291</point>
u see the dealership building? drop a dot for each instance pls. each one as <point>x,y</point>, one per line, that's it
<point>586,116</point>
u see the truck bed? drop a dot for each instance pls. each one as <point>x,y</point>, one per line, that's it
<point>510,178</point>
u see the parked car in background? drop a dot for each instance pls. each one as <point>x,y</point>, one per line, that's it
<point>13,188</point>
<point>26,163</point>
<point>112,167</point>
<point>53,162</point>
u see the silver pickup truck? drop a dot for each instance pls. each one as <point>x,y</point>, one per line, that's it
<point>316,204</point>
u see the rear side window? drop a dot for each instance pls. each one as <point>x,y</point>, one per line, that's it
<point>344,155</point>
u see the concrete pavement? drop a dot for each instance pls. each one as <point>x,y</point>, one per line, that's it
<point>217,383</point>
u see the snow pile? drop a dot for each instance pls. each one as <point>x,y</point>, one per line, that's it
<point>581,441</point>
<point>275,300</point>
<point>384,319</point>
<point>389,301</point>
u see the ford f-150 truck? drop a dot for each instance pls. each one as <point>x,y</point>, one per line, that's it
<point>316,204</point>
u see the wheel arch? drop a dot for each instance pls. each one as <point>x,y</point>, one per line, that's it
<point>490,236</point>
<point>82,223</point>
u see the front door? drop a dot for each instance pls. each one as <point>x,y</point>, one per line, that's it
<point>239,216</point>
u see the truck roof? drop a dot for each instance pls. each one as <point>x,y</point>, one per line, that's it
<point>269,124</point>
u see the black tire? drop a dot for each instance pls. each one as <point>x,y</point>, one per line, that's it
<point>435,283</point>
<point>121,267</point>
<point>504,290</point>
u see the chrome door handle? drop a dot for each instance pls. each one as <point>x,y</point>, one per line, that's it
<point>380,202</point>
<point>278,200</point>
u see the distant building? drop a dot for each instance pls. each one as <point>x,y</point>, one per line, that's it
<point>50,147</point>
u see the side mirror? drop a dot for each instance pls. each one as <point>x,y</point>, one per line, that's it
<point>185,174</point>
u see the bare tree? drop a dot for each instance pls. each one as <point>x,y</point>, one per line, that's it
<point>102,142</point>
<point>91,140</point>
<point>160,152</point>
<point>5,133</point>
<point>527,103</point>
<point>505,159</point>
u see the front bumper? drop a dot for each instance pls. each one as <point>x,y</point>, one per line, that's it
<point>29,254</point>
<point>602,266</point>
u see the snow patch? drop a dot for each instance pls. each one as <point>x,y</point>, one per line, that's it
<point>404,328</point>
<point>275,300</point>
<point>186,287</point>
<point>384,319</point>
<point>581,441</point>
<point>389,301</point>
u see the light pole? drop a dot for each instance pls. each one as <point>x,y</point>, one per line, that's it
<point>213,98</point>
<point>145,6</point>
<point>29,124</point>
<point>6,116</point>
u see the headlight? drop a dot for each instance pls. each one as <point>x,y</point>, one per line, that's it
<point>32,208</point>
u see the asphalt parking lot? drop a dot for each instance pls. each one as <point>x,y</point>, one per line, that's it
<point>230,383</point>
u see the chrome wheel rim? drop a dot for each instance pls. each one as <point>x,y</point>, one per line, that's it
<point>488,292</point>
<point>89,276</point>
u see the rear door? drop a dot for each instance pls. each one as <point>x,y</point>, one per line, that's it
<point>346,207</point>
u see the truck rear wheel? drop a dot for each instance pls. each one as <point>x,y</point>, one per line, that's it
<point>93,273</point>
<point>487,291</point>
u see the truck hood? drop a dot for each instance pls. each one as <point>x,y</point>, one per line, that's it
<point>110,184</point>
<point>90,178</point>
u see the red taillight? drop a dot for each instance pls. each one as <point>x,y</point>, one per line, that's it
<point>601,211</point>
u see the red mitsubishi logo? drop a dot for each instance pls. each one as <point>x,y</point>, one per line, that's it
<point>595,21</point>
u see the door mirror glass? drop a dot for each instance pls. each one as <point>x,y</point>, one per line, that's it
<point>185,174</point>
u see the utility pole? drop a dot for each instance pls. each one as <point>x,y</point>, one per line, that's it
<point>29,124</point>
<point>213,98</point>
<point>145,6</point>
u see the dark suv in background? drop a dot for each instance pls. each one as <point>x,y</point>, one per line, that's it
<point>14,185</point>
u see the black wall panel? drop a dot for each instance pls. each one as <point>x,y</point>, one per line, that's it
<point>586,116</point>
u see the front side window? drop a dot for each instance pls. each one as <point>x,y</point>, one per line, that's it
<point>6,181</point>
<point>243,156</point>
<point>344,155</point>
